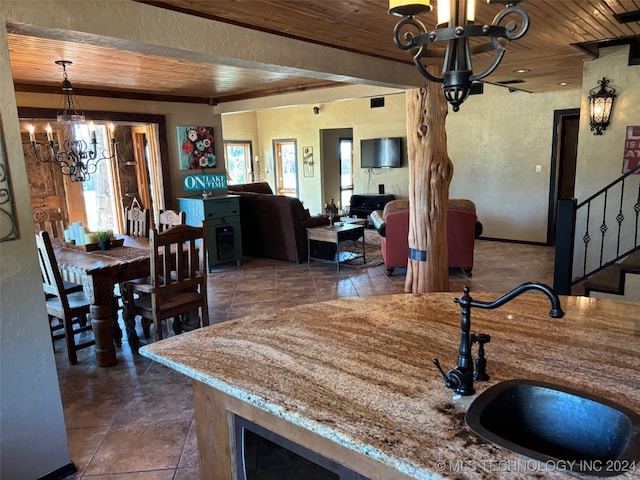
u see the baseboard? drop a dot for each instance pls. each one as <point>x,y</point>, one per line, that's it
<point>60,473</point>
<point>507,240</point>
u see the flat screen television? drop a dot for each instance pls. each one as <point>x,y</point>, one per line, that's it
<point>381,152</point>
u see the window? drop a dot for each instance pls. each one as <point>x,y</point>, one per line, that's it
<point>346,171</point>
<point>286,165</point>
<point>238,160</point>
<point>98,192</point>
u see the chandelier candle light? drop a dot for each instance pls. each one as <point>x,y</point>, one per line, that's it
<point>455,27</point>
<point>74,157</point>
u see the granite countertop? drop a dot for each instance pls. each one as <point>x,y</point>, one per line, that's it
<point>359,371</point>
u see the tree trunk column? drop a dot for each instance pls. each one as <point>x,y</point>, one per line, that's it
<point>430,172</point>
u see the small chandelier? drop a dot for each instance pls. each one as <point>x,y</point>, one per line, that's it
<point>74,157</point>
<point>455,27</point>
<point>600,106</point>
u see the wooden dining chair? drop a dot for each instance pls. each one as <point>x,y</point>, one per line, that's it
<point>136,221</point>
<point>49,220</point>
<point>70,309</point>
<point>169,218</point>
<point>178,277</point>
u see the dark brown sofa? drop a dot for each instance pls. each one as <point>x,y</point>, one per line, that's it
<point>273,226</point>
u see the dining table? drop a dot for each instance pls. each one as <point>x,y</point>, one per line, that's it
<point>99,271</point>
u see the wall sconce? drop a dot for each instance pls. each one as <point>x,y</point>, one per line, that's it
<point>316,110</point>
<point>600,106</point>
<point>455,26</point>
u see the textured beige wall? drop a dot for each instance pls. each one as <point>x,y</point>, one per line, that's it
<point>301,124</point>
<point>495,142</point>
<point>244,124</point>
<point>600,159</point>
<point>32,430</point>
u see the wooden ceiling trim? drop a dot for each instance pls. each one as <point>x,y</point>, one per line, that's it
<point>86,92</point>
<point>275,91</point>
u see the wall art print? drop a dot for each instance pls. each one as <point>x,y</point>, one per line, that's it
<point>307,161</point>
<point>196,148</point>
<point>631,149</point>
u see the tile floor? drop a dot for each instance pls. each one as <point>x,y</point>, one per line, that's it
<point>135,420</point>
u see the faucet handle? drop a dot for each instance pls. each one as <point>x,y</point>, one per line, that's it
<point>481,362</point>
<point>455,379</point>
<point>447,381</point>
<point>481,338</point>
<point>444,375</point>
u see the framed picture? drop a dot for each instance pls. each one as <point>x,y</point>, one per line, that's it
<point>307,161</point>
<point>196,148</point>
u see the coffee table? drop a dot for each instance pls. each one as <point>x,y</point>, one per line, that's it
<point>336,235</point>
<point>354,221</point>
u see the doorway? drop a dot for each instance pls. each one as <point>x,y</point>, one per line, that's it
<point>284,151</point>
<point>140,171</point>
<point>564,153</point>
<point>336,151</point>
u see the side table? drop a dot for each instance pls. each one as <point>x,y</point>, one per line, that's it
<point>221,215</point>
<point>336,235</point>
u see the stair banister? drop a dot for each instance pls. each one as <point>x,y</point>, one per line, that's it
<point>565,237</point>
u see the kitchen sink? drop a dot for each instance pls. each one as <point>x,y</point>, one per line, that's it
<point>576,430</point>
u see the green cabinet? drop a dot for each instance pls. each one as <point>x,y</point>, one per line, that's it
<point>221,216</point>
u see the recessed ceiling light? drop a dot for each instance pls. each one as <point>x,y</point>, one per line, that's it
<point>522,70</point>
<point>564,84</point>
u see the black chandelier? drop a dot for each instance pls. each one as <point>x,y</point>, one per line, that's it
<point>455,27</point>
<point>600,106</point>
<point>74,157</point>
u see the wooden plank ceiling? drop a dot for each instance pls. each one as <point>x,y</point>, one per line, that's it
<point>548,51</point>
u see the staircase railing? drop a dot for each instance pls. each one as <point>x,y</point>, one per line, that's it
<point>574,261</point>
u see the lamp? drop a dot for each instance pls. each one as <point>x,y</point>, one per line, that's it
<point>74,157</point>
<point>455,26</point>
<point>600,106</point>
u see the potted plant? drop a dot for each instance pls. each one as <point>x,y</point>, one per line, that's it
<point>104,239</point>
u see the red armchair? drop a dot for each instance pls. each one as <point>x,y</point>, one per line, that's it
<point>461,232</point>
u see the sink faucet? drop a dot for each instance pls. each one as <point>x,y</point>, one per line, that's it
<point>460,378</point>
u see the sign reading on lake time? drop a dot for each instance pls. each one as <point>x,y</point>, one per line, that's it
<point>216,181</point>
